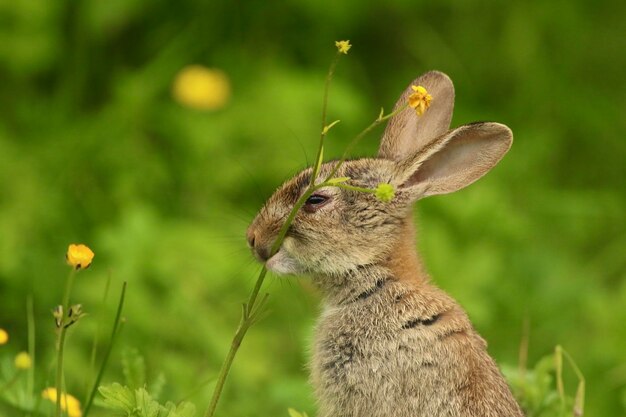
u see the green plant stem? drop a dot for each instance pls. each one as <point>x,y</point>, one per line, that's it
<point>320,149</point>
<point>523,349</point>
<point>251,308</point>
<point>107,353</point>
<point>68,290</point>
<point>255,293</point>
<point>69,283</point>
<point>234,347</point>
<point>59,376</point>
<point>96,336</point>
<point>579,399</point>
<point>30,319</point>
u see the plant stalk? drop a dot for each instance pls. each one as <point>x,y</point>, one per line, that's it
<point>320,149</point>
<point>251,307</point>
<point>30,318</point>
<point>247,318</point>
<point>107,353</point>
<point>69,283</point>
<point>96,337</point>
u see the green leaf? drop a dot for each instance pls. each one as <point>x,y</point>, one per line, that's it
<point>169,410</point>
<point>186,409</point>
<point>139,403</point>
<point>327,128</point>
<point>319,161</point>
<point>338,180</point>
<point>118,398</point>
<point>145,404</point>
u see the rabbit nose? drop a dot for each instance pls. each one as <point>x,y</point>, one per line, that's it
<point>262,252</point>
<point>250,236</point>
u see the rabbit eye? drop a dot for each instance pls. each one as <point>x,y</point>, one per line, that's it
<point>314,202</point>
<point>316,199</point>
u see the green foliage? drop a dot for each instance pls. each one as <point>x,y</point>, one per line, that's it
<point>535,389</point>
<point>122,400</point>
<point>94,149</point>
<point>540,390</point>
<point>135,398</point>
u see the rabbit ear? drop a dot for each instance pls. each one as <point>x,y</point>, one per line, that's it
<point>406,132</point>
<point>454,160</point>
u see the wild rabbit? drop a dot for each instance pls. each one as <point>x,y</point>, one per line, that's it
<point>388,342</point>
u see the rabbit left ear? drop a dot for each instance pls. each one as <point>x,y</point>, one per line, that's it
<point>406,132</point>
<point>454,160</point>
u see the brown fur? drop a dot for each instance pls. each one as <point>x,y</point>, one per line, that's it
<point>405,265</point>
<point>389,343</point>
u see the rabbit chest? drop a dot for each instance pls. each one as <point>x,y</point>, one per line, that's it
<point>391,350</point>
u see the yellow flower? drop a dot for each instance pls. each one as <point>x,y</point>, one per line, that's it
<point>79,256</point>
<point>23,361</point>
<point>343,46</point>
<point>201,88</point>
<point>385,192</point>
<point>68,402</point>
<point>4,337</point>
<point>419,99</point>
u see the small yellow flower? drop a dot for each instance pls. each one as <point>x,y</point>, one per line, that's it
<point>79,256</point>
<point>68,402</point>
<point>343,46</point>
<point>385,192</point>
<point>419,99</point>
<point>4,337</point>
<point>23,361</point>
<point>201,88</point>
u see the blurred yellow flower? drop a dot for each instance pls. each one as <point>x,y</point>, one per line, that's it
<point>4,336</point>
<point>385,192</point>
<point>68,402</point>
<point>343,46</point>
<point>201,88</point>
<point>419,99</point>
<point>23,361</point>
<point>79,256</point>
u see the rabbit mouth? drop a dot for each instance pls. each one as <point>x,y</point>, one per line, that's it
<point>282,263</point>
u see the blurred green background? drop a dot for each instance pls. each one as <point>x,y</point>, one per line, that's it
<point>95,149</point>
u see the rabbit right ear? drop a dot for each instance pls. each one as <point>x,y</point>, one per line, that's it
<point>406,132</point>
<point>453,160</point>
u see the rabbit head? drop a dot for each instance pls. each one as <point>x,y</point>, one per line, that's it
<point>338,230</point>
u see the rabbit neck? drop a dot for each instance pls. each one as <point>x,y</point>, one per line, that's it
<point>401,264</point>
<point>403,260</point>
